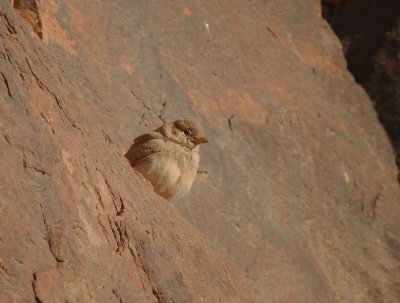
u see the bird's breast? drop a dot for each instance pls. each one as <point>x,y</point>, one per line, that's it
<point>171,173</point>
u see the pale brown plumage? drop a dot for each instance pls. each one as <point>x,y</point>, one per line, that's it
<point>168,156</point>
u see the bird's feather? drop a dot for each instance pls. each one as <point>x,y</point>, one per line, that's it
<point>168,156</point>
<point>144,146</point>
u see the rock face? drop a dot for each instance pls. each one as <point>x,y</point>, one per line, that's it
<point>77,223</point>
<point>297,187</point>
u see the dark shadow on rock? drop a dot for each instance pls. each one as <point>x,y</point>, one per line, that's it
<point>370,35</point>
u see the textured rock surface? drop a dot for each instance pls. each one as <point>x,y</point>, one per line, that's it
<point>297,186</point>
<point>77,223</point>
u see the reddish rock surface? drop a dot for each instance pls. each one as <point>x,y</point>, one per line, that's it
<point>77,223</point>
<point>297,187</point>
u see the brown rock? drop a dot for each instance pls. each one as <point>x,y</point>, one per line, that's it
<point>28,9</point>
<point>77,223</point>
<point>297,186</point>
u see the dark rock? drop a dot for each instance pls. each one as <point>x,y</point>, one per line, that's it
<point>384,86</point>
<point>371,42</point>
<point>362,27</point>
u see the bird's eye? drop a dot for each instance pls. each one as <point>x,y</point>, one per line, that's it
<point>187,132</point>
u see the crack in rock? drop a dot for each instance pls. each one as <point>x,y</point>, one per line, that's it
<point>10,27</point>
<point>7,85</point>
<point>148,108</point>
<point>230,122</point>
<point>53,237</point>
<point>36,297</point>
<point>114,197</point>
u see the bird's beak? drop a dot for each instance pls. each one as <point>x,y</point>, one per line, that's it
<point>199,140</point>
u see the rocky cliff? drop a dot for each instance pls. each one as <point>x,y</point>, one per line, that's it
<point>296,198</point>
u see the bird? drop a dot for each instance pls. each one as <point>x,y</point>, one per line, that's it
<point>169,156</point>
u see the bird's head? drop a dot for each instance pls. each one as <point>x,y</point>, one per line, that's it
<point>187,131</point>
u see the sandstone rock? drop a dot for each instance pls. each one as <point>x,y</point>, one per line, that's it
<point>77,224</point>
<point>297,187</point>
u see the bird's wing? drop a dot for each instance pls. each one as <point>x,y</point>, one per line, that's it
<point>144,146</point>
